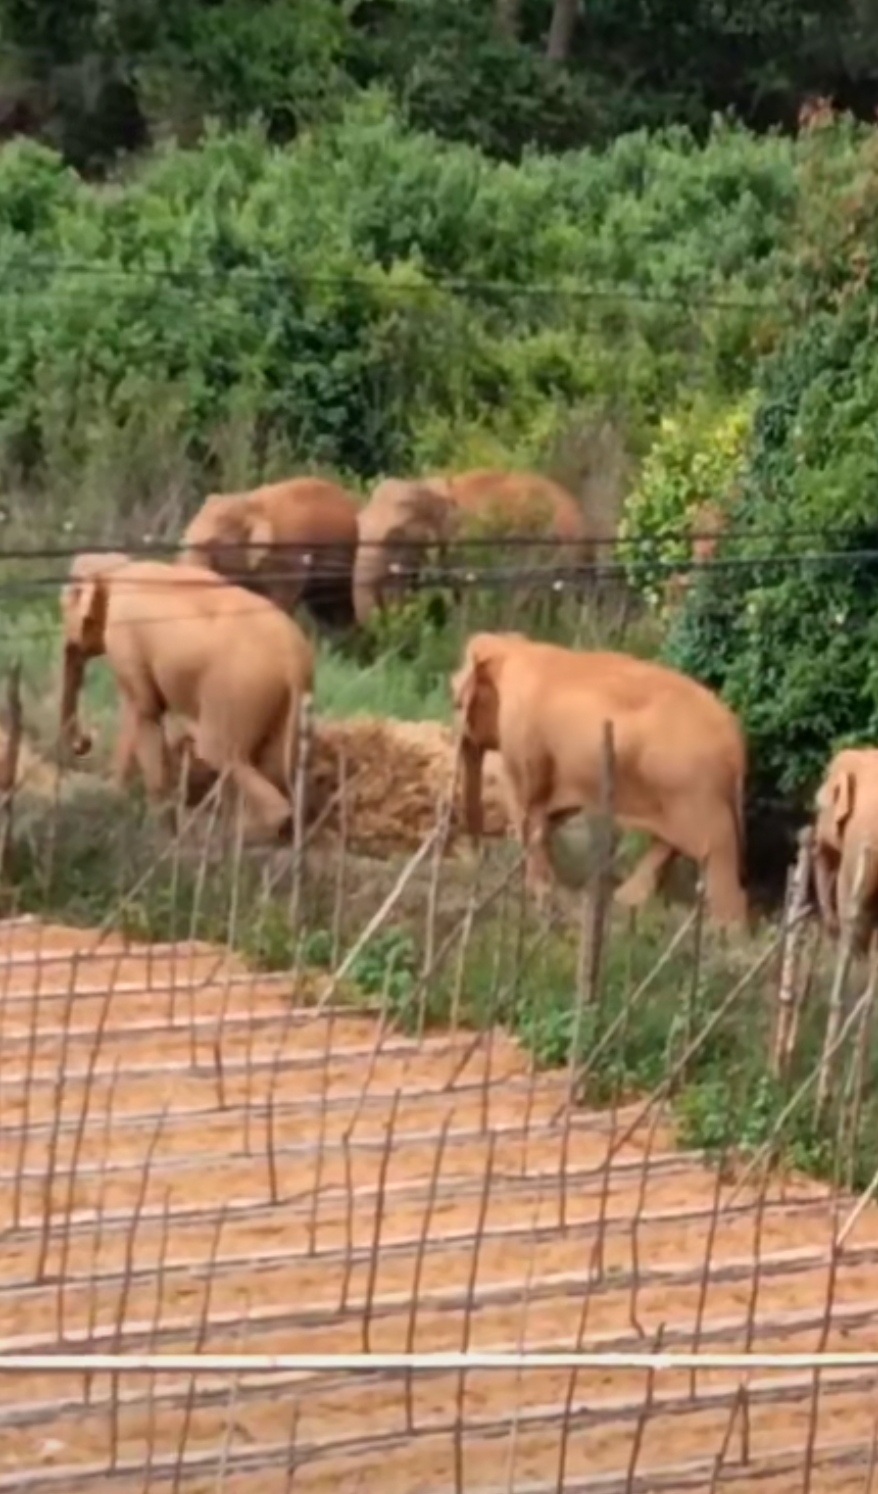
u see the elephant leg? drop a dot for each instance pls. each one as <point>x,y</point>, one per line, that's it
<point>527,804</point>
<point>331,603</point>
<point>705,830</point>
<point>643,882</point>
<point>125,751</point>
<point>856,911</point>
<point>272,808</point>
<point>537,867</point>
<point>151,751</point>
<point>270,805</point>
<point>726,898</point>
<point>826,888</point>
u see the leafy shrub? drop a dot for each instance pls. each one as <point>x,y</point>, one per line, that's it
<point>787,628</point>
<point>792,642</point>
<point>694,460</point>
<point>196,323</point>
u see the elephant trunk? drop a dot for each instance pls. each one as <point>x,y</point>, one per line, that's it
<point>367,576</point>
<point>472,759</point>
<point>71,732</point>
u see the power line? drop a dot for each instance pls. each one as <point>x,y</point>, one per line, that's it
<point>158,548</point>
<point>283,278</point>
<point>581,581</point>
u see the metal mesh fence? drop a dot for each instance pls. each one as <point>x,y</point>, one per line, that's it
<point>334,1102</point>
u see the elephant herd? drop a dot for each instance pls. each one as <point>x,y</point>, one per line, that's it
<point>306,541</point>
<point>211,639</point>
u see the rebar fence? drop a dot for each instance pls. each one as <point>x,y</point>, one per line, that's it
<point>322,1103</point>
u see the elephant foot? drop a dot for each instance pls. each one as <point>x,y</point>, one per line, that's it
<point>541,896</point>
<point>168,818</point>
<point>539,889</point>
<point>632,894</point>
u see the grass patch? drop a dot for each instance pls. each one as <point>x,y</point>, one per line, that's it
<point>94,861</point>
<point>630,1042</point>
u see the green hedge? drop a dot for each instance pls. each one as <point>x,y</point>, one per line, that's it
<point>236,309</point>
<point>792,642</point>
<point>787,626</point>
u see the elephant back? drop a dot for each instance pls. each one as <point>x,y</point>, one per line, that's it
<point>401,509</point>
<point>308,510</point>
<point>519,503</point>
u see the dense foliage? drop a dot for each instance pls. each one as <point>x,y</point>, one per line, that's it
<point>685,485</point>
<point>371,300</point>
<point>98,78</point>
<point>787,626</point>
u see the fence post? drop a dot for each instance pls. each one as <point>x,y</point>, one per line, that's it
<point>845,955</point>
<point>788,999</point>
<point>596,905</point>
<point>9,765</point>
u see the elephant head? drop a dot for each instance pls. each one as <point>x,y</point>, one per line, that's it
<point>400,520</point>
<point>835,801</point>
<point>229,534</point>
<point>846,802</point>
<point>83,621</point>
<point>475,694</point>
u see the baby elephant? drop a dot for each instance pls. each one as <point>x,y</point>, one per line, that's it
<point>846,832</point>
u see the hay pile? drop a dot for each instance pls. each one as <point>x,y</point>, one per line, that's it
<point>394,773</point>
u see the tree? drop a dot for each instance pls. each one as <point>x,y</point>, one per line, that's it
<point>561,32</point>
<point>507,19</point>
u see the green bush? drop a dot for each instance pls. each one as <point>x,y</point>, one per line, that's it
<point>695,459</point>
<point>792,642</point>
<point>787,625</point>
<point>237,310</point>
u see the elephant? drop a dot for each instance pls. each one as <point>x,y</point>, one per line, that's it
<point>680,757</point>
<point>400,520</point>
<point>293,541</point>
<point>846,830</point>
<point>520,504</point>
<point>182,641</point>
<point>187,769</point>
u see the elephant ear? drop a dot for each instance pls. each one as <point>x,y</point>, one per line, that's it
<point>84,599</point>
<point>259,539</point>
<point>474,688</point>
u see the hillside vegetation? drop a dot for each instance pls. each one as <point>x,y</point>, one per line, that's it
<point>663,322</point>
<point>371,300</point>
<point>365,282</point>
<point>101,80</point>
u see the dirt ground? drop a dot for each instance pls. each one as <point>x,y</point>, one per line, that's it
<point>190,1163</point>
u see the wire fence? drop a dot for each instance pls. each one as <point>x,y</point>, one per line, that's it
<point>361,1097</point>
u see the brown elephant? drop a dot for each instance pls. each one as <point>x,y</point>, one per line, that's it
<point>846,830</point>
<point>293,541</point>
<point>520,504</point>
<point>179,736</point>
<point>680,757</point>
<point>180,641</point>
<point>398,524</point>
